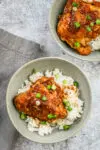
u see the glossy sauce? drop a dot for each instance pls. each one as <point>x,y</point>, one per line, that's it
<point>84,14</point>
<point>27,102</point>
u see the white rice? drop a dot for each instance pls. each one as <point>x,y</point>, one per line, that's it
<point>95,44</point>
<point>75,103</point>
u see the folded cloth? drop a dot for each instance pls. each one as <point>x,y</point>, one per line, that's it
<point>14,52</point>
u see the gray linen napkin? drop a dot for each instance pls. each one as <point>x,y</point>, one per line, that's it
<point>14,52</point>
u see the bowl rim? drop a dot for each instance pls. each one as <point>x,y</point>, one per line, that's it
<point>90,105</point>
<point>81,57</point>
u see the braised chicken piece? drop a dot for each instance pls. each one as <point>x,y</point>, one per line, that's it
<point>42,100</point>
<point>79,24</point>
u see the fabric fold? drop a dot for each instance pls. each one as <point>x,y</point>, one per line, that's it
<point>14,52</point>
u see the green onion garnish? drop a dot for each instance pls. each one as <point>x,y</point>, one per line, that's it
<point>57,76</point>
<point>77,44</point>
<point>23,116</point>
<point>88,17</point>
<point>66,127</point>
<point>69,108</point>
<point>76,84</point>
<point>44,98</point>
<point>38,95</point>
<point>77,24</point>
<point>43,122</point>
<point>48,87</point>
<point>66,102</point>
<point>98,21</point>
<point>74,4</point>
<point>64,81</point>
<point>88,29</point>
<point>51,116</point>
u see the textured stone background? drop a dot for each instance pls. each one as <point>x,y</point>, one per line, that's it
<point>29,19</point>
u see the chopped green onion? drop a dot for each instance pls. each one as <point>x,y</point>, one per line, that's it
<point>66,127</point>
<point>77,24</point>
<point>66,102</point>
<point>57,76</point>
<point>74,4</point>
<point>77,44</point>
<point>48,87</point>
<point>44,98</point>
<point>92,24</point>
<point>43,122</point>
<point>69,108</point>
<point>98,21</point>
<point>88,17</point>
<point>23,116</point>
<point>88,29</point>
<point>53,87</point>
<point>51,116</point>
<point>38,95</point>
<point>76,84</point>
<point>64,81</point>
<point>33,71</point>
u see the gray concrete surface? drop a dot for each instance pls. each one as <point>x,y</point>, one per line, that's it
<point>29,19</point>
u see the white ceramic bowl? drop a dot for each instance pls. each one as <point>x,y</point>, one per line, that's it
<point>43,64</point>
<point>56,9</point>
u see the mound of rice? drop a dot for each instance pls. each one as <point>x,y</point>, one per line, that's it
<point>73,97</point>
<point>95,44</point>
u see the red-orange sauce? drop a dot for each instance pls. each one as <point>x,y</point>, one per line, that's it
<point>26,102</point>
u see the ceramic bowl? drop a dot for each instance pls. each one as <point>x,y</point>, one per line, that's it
<point>56,9</point>
<point>43,64</point>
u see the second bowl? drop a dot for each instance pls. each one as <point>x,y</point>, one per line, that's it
<point>56,9</point>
